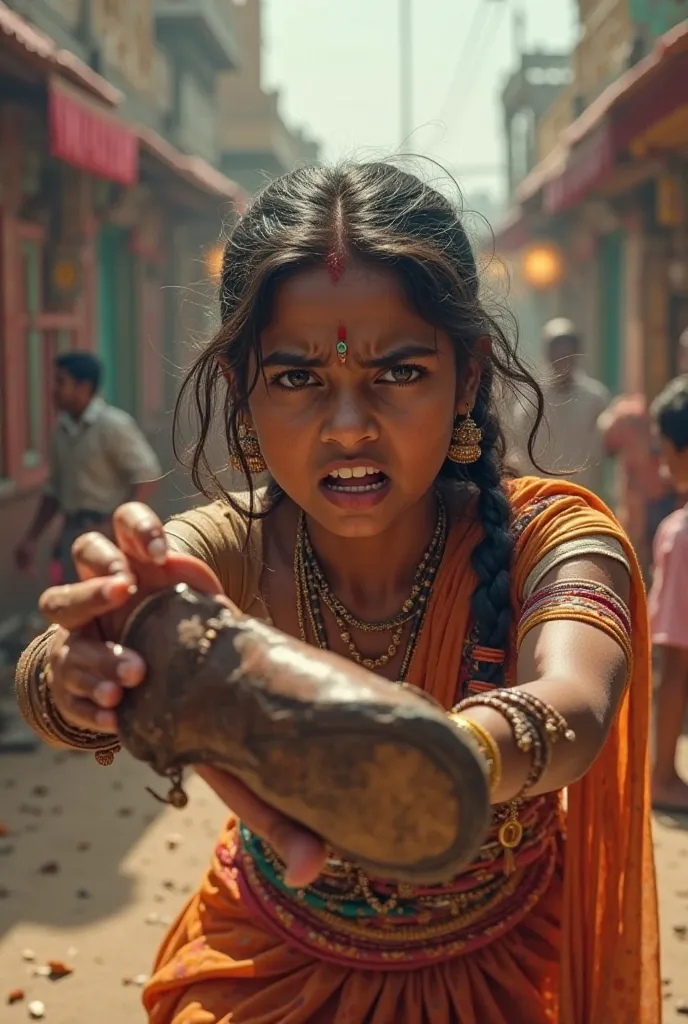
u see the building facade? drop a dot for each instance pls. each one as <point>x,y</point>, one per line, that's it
<point>110,199</point>
<point>255,143</point>
<point>608,191</point>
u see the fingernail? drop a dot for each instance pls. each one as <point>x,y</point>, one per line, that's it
<point>111,586</point>
<point>130,668</point>
<point>116,567</point>
<point>157,549</point>
<point>106,720</point>
<point>106,693</point>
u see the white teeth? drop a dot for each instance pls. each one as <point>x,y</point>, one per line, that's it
<point>347,472</point>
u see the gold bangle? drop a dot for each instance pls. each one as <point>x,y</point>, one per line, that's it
<point>487,745</point>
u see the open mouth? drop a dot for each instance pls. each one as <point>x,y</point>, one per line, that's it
<point>355,480</point>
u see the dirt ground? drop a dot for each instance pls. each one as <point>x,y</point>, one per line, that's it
<point>92,869</point>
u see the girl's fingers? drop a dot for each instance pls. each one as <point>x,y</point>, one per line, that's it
<point>94,555</point>
<point>75,605</point>
<point>302,852</point>
<point>101,660</point>
<point>139,533</point>
<point>86,715</point>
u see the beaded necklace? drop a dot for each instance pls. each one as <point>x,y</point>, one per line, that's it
<point>312,590</point>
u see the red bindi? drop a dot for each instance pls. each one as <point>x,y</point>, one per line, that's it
<point>342,347</point>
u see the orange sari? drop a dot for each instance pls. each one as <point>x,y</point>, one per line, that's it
<point>586,953</point>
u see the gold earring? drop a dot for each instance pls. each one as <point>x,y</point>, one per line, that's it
<point>250,449</point>
<point>465,440</point>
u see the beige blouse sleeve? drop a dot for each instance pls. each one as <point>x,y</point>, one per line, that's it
<point>220,537</point>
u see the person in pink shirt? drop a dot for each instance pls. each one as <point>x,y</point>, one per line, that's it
<point>668,604</point>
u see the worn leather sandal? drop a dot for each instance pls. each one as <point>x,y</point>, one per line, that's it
<point>376,770</point>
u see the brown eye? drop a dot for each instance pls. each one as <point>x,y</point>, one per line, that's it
<point>405,373</point>
<point>294,380</point>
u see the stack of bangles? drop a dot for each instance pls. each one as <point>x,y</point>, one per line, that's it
<point>37,707</point>
<point>536,725</point>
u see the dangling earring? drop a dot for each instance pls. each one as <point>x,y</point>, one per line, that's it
<point>250,449</point>
<point>465,440</point>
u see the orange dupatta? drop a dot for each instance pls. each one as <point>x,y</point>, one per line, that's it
<point>610,931</point>
<point>219,964</point>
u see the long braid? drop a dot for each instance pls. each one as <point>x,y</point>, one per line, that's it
<point>491,559</point>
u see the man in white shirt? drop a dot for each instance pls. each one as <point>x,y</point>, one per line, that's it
<point>99,458</point>
<point>568,442</point>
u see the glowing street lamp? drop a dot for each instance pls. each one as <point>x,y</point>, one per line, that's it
<point>542,266</point>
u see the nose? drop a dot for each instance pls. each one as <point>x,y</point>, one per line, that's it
<point>349,420</point>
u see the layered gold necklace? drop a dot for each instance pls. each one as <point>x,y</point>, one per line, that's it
<point>313,593</point>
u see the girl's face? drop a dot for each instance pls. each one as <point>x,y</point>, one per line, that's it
<point>358,437</point>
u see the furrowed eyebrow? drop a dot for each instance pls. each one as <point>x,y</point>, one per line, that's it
<point>298,360</point>
<point>398,355</point>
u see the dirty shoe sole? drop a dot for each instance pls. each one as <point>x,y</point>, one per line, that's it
<point>374,769</point>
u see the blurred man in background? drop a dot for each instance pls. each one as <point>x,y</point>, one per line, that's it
<point>568,441</point>
<point>98,459</point>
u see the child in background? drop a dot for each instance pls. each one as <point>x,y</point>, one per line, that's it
<point>669,601</point>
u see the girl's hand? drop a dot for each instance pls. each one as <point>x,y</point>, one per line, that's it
<point>302,852</point>
<point>90,669</point>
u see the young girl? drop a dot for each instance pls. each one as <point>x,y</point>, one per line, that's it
<point>355,364</point>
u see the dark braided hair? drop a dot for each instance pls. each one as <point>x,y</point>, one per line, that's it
<point>373,213</point>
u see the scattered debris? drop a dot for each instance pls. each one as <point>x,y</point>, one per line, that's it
<point>36,1010</point>
<point>5,830</point>
<point>72,952</point>
<point>4,892</point>
<point>169,884</point>
<point>138,979</point>
<point>39,791</point>
<point>59,969</point>
<point>125,812</point>
<point>83,894</point>
<point>6,849</point>
<point>152,918</point>
<point>117,784</point>
<point>51,867</point>
<point>83,846</point>
<point>15,996</point>
<point>30,809</point>
<point>174,840</point>
<point>682,1008</point>
<point>10,783</point>
<point>41,972</point>
<point>28,955</point>
<point>681,930</point>
<point>56,811</point>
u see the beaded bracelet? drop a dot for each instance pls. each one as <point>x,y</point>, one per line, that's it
<point>536,725</point>
<point>486,744</point>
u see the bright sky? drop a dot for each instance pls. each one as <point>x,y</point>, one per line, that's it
<point>336,63</point>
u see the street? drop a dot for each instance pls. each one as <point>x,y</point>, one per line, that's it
<point>93,869</point>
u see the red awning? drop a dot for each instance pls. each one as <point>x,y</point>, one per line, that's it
<point>193,169</point>
<point>38,49</point>
<point>652,98</point>
<point>586,166</point>
<point>89,138</point>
